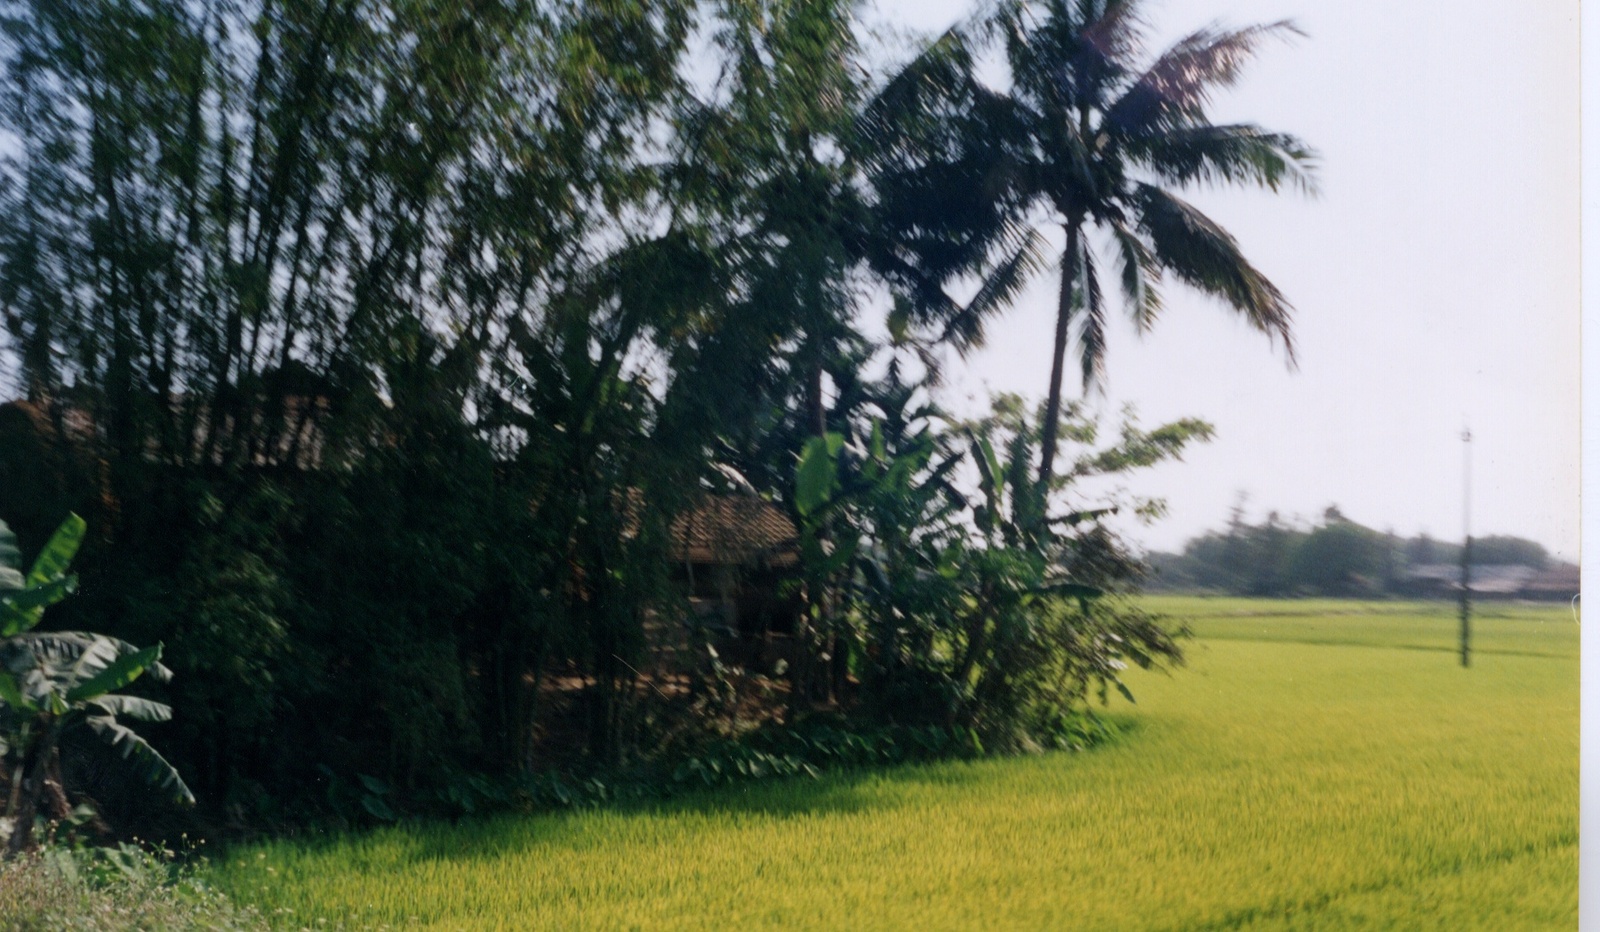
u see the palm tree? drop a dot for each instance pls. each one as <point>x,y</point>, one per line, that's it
<point>1091,138</point>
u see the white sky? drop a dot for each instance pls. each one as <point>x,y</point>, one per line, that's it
<point>1436,279</point>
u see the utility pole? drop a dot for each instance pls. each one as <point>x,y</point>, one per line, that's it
<point>1466,548</point>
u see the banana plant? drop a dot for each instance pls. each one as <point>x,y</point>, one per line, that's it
<point>52,682</point>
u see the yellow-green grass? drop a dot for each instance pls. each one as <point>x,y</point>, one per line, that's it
<point>1316,766</point>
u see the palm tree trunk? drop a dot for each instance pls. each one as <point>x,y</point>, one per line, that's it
<point>1058,355</point>
<point>813,677</point>
<point>816,407</point>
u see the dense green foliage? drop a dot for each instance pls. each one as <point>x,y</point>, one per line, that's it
<point>385,346</point>
<point>1335,770</point>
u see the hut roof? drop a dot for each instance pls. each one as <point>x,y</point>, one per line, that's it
<point>735,529</point>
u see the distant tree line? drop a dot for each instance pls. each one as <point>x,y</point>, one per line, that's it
<point>1337,557</point>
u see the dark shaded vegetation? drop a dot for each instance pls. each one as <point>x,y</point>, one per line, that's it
<point>382,344</point>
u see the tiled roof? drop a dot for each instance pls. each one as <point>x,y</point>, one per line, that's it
<point>734,529</point>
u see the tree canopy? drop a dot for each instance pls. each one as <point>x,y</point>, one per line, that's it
<point>1091,135</point>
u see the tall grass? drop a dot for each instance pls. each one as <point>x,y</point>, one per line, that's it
<point>112,890</point>
<point>1315,766</point>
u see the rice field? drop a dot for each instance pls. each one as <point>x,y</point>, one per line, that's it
<point>1318,765</point>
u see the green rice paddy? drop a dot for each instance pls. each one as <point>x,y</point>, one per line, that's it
<point>1318,765</point>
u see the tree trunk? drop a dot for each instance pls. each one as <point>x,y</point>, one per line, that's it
<point>817,410</point>
<point>813,680</point>
<point>55,787</point>
<point>1058,354</point>
<point>32,789</point>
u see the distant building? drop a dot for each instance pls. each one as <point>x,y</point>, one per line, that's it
<point>738,556</point>
<point>1491,581</point>
<point>1561,581</point>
